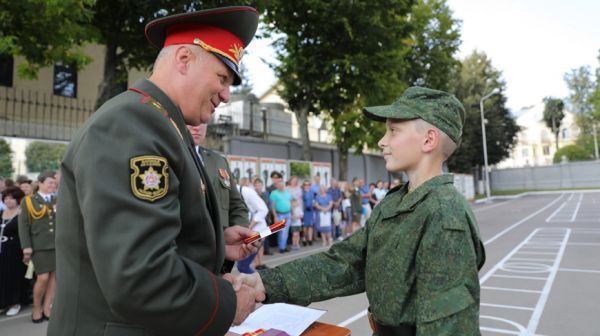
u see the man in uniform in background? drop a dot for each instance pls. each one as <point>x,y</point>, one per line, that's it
<point>140,244</point>
<point>419,254</point>
<point>232,208</point>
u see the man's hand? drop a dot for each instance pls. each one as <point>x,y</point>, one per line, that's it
<point>235,249</point>
<point>252,280</point>
<point>27,254</point>
<point>246,302</point>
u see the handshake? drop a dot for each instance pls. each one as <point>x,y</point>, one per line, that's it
<point>249,290</point>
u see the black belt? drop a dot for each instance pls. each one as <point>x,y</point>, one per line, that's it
<point>383,330</point>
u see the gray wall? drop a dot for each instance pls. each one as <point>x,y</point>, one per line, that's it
<point>584,174</point>
<point>368,166</point>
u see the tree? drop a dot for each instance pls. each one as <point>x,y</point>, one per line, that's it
<point>340,56</point>
<point>42,156</point>
<point>120,28</point>
<point>45,32</point>
<point>573,152</point>
<point>584,100</point>
<point>581,87</point>
<point>553,115</point>
<point>6,169</point>
<point>475,78</point>
<point>435,41</point>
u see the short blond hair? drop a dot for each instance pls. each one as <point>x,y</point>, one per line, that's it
<point>447,145</point>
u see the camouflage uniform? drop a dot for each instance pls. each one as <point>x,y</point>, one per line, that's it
<point>417,258</point>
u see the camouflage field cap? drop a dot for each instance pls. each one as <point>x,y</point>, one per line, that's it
<point>438,108</point>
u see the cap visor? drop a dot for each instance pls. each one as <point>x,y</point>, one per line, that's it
<point>398,110</point>
<point>237,79</point>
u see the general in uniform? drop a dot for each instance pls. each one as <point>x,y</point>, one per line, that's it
<point>139,241</point>
<point>418,256</point>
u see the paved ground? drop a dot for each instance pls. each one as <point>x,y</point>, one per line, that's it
<point>541,276</point>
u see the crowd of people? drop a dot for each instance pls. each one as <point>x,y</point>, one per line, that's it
<point>312,211</point>
<point>27,243</point>
<point>149,249</point>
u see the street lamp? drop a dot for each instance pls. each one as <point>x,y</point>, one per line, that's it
<point>485,157</point>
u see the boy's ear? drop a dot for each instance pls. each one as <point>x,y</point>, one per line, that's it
<point>431,140</point>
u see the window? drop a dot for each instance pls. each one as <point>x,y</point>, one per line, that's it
<point>565,133</point>
<point>65,80</point>
<point>6,70</point>
<point>546,150</point>
<point>525,152</point>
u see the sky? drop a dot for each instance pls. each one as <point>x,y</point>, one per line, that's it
<point>532,42</point>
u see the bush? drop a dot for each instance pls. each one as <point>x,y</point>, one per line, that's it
<point>573,153</point>
<point>6,169</point>
<point>42,156</point>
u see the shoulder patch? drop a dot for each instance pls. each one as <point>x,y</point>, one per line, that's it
<point>149,177</point>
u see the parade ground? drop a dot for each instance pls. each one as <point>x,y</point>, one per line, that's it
<point>541,276</point>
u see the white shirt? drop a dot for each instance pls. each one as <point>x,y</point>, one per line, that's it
<point>257,207</point>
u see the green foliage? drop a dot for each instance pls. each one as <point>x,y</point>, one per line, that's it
<point>300,169</point>
<point>45,32</point>
<point>435,40</point>
<point>581,87</point>
<point>6,169</point>
<point>573,152</point>
<point>474,79</point>
<point>42,156</point>
<point>336,57</point>
<point>553,115</point>
<point>584,100</point>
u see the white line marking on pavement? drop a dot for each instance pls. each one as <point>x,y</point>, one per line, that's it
<point>578,270</point>
<point>539,308</point>
<point>532,259</point>
<point>501,262</point>
<point>491,206</point>
<point>577,208</point>
<point>504,306</point>
<point>512,289</point>
<point>585,244</point>
<point>555,212</point>
<point>520,328</point>
<point>353,318</point>
<point>522,221</point>
<point>517,277</point>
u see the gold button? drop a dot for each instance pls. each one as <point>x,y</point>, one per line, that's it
<point>50,223</point>
<point>51,230</point>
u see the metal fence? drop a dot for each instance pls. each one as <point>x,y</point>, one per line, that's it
<point>40,115</point>
<point>584,174</point>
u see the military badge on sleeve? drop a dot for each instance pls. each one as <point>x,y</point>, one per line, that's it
<point>224,178</point>
<point>149,177</point>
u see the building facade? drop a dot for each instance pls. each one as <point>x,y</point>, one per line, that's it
<point>536,144</point>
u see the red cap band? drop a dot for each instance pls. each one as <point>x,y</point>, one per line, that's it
<point>210,38</point>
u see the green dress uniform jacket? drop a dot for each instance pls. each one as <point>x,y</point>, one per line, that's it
<point>232,208</point>
<point>417,259</point>
<point>37,234</point>
<point>139,241</point>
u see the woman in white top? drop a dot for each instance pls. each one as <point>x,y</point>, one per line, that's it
<point>257,212</point>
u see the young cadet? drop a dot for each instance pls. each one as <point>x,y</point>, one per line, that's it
<point>419,254</point>
<point>139,244</point>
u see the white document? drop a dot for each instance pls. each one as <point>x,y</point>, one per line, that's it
<point>292,319</point>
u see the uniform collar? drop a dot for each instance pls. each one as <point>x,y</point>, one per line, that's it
<point>409,201</point>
